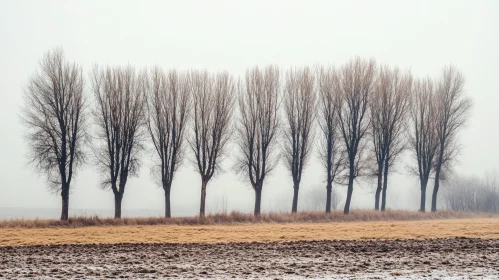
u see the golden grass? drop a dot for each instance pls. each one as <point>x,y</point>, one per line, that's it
<point>238,218</point>
<point>259,232</point>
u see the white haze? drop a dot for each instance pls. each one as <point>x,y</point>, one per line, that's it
<point>232,35</point>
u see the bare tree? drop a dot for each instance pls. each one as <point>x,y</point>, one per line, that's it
<point>355,86</point>
<point>259,102</point>
<point>472,194</point>
<point>213,100</point>
<point>423,137</point>
<point>452,111</point>
<point>331,155</point>
<point>388,111</point>
<point>167,105</point>
<point>54,114</point>
<point>120,117</point>
<point>299,107</point>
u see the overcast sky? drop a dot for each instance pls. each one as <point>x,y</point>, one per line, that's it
<point>233,35</point>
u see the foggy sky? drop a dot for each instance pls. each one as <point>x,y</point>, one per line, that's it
<point>422,36</point>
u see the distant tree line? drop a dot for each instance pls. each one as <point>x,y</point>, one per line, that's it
<point>358,117</point>
<point>472,194</point>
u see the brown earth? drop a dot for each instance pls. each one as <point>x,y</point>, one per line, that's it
<point>462,258</point>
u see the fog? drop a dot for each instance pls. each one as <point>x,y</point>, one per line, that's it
<point>422,36</point>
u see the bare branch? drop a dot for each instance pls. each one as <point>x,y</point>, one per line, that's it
<point>168,100</point>
<point>120,116</point>
<point>423,137</point>
<point>452,112</point>
<point>299,109</point>
<point>332,157</point>
<point>55,117</point>
<point>355,85</point>
<point>213,102</point>
<point>388,110</point>
<point>259,101</point>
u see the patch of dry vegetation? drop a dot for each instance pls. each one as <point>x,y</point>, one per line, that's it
<point>238,218</point>
<point>257,232</point>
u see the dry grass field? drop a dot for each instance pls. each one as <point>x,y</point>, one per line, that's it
<point>243,218</point>
<point>257,232</point>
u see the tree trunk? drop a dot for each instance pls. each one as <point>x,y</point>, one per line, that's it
<point>329,189</point>
<point>118,197</point>
<point>378,189</point>
<point>346,210</point>
<point>258,200</point>
<point>168,213</point>
<point>385,186</point>
<point>434,196</point>
<point>435,189</point>
<point>65,203</point>
<point>203,199</point>
<point>294,208</point>
<point>438,169</point>
<point>423,198</point>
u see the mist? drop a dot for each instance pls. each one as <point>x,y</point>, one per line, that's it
<point>421,36</point>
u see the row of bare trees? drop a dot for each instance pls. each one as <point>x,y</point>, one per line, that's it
<point>367,116</point>
<point>473,194</point>
<point>439,111</point>
<point>130,104</point>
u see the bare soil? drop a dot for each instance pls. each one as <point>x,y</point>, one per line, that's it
<point>461,258</point>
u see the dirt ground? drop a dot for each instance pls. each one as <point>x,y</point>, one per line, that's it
<point>456,258</point>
